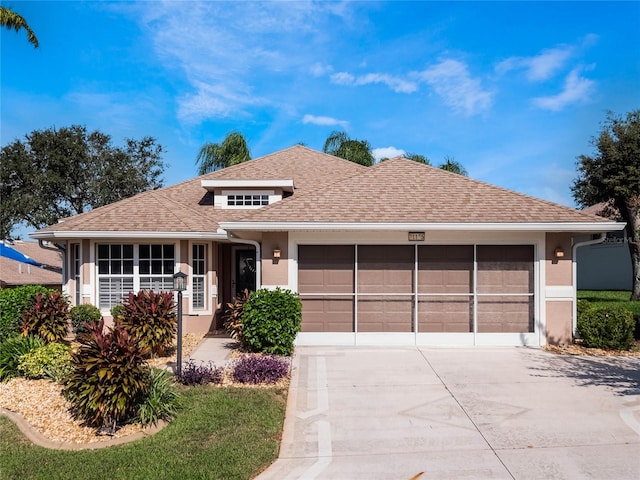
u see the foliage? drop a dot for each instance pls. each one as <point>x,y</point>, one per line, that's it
<point>47,318</point>
<point>232,151</point>
<point>256,369</point>
<point>11,351</point>
<point>416,157</point>
<point>150,318</point>
<point>109,378</point>
<point>612,175</point>
<point>162,401</point>
<point>84,313</point>
<point>52,360</point>
<point>193,374</point>
<point>271,320</point>
<point>451,165</point>
<point>219,434</point>
<point>57,173</point>
<point>609,327</point>
<point>233,317</point>
<point>117,311</point>
<point>608,297</point>
<point>340,145</point>
<point>14,301</point>
<point>11,20</point>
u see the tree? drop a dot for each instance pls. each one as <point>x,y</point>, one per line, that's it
<point>612,175</point>
<point>232,151</point>
<point>416,157</point>
<point>54,174</point>
<point>450,165</point>
<point>11,20</point>
<point>340,145</point>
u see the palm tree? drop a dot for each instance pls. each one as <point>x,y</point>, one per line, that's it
<point>450,165</point>
<point>232,151</point>
<point>340,145</point>
<point>416,157</point>
<point>10,19</point>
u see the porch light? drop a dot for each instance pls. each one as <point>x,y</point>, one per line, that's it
<point>558,252</point>
<point>276,253</point>
<point>180,285</point>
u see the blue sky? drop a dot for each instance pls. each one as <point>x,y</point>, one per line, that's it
<point>513,90</point>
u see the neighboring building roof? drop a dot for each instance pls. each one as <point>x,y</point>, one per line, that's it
<point>13,273</point>
<point>327,189</point>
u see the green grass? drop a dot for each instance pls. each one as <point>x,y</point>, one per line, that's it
<point>607,297</point>
<point>221,433</point>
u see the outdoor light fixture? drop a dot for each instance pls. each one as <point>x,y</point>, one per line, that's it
<point>559,252</point>
<point>180,285</point>
<point>276,253</point>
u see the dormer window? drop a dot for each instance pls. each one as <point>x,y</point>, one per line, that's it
<point>247,200</point>
<point>247,194</point>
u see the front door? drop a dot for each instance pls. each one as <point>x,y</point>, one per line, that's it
<point>244,270</point>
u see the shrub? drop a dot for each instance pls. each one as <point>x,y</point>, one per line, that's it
<point>14,301</point>
<point>271,320</point>
<point>150,318</point>
<point>193,374</point>
<point>162,401</point>
<point>84,313</point>
<point>260,369</point>
<point>233,317</point>
<point>11,350</point>
<point>117,311</point>
<point>52,360</point>
<point>609,327</point>
<point>109,378</point>
<point>47,318</point>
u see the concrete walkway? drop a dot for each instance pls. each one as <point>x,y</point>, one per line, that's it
<point>459,413</point>
<point>215,349</point>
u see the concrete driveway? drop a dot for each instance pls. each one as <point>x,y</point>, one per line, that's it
<point>459,413</point>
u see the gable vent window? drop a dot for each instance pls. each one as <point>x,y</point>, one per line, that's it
<point>247,200</point>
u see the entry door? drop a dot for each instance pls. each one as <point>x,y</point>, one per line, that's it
<point>244,270</point>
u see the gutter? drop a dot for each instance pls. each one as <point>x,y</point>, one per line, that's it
<point>574,273</point>
<point>234,239</point>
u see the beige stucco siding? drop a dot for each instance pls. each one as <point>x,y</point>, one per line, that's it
<point>558,269</point>
<point>275,270</point>
<point>559,324</point>
<point>560,287</point>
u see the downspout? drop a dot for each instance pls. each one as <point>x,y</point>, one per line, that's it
<point>256,244</point>
<point>574,262</point>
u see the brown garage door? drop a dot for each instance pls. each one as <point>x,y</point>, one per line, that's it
<point>326,286</point>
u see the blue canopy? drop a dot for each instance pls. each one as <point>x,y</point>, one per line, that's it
<point>8,252</point>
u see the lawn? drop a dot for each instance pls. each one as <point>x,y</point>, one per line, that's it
<point>607,297</point>
<point>221,433</point>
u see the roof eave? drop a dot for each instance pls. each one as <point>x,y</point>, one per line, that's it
<point>78,234</point>
<point>586,227</point>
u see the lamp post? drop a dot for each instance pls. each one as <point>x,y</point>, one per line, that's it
<point>180,285</point>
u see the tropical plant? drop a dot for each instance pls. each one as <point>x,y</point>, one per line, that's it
<point>47,318</point>
<point>110,377</point>
<point>11,20</point>
<point>232,151</point>
<point>14,301</point>
<point>255,369</point>
<point>612,176</point>
<point>150,318</point>
<point>233,316</point>
<point>11,351</point>
<point>202,374</point>
<point>451,165</point>
<point>84,313</point>
<point>416,157</point>
<point>271,321</point>
<point>340,145</point>
<point>52,360</point>
<point>162,401</point>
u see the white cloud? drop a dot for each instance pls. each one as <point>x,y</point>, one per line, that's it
<point>451,80</point>
<point>387,152</point>
<point>539,67</point>
<point>319,69</point>
<point>396,84</point>
<point>577,89</point>
<point>324,121</point>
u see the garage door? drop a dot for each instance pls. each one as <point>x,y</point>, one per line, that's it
<point>425,289</point>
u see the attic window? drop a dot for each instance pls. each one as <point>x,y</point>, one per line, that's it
<point>247,200</point>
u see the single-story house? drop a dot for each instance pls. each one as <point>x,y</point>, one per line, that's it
<point>396,253</point>
<point>45,267</point>
<point>605,264</point>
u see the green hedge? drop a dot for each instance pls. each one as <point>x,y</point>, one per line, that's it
<point>609,326</point>
<point>14,301</point>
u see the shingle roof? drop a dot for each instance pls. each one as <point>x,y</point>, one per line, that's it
<point>13,272</point>
<point>404,191</point>
<point>327,189</point>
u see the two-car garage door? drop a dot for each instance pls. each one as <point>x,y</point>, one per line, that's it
<point>417,288</point>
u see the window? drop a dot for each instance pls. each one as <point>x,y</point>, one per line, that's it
<point>76,273</point>
<point>247,200</point>
<point>128,268</point>
<point>199,275</point>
